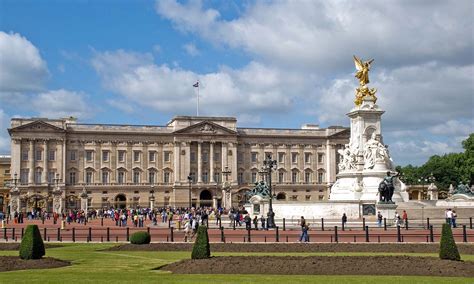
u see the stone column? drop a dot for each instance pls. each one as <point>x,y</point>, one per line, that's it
<point>31,162</point>
<point>211,161</point>
<point>187,162</point>
<point>15,156</point>
<point>199,162</point>
<point>176,154</point>
<point>233,175</point>
<point>224,155</point>
<point>63,169</point>
<point>44,177</point>
<point>328,161</point>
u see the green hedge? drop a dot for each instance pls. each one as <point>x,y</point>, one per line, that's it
<point>448,248</point>
<point>32,246</point>
<point>140,238</point>
<point>201,248</point>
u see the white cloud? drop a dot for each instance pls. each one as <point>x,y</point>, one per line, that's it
<point>122,105</point>
<point>321,35</point>
<point>62,103</point>
<point>454,128</point>
<point>191,49</point>
<point>248,91</point>
<point>156,48</point>
<point>4,137</point>
<point>21,66</point>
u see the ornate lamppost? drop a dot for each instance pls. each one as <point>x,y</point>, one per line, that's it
<point>226,188</point>
<point>190,181</point>
<point>268,166</point>
<point>152,198</point>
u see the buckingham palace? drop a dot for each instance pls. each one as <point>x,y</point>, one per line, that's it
<point>188,160</point>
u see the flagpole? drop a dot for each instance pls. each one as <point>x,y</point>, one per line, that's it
<point>197,112</point>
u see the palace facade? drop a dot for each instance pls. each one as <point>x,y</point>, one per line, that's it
<point>131,165</point>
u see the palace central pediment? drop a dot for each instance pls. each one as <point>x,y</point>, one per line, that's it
<point>206,128</point>
<point>38,126</point>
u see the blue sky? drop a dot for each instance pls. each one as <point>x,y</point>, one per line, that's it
<point>270,64</point>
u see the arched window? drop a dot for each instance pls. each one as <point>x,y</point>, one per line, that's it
<point>281,196</point>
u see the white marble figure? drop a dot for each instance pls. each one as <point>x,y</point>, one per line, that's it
<point>348,158</point>
<point>375,152</point>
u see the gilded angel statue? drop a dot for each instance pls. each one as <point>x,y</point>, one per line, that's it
<point>362,70</point>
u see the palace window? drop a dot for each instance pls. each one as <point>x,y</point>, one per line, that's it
<point>240,157</point>
<point>121,156</point>
<point>38,174</point>
<point>24,173</point>
<point>151,156</point>
<point>167,156</point>
<point>72,155</point>
<point>281,157</point>
<point>38,155</point>
<point>217,155</point>
<point>105,177</point>
<point>166,177</point>
<point>89,156</point>
<point>72,178</point>
<point>307,197</point>
<point>294,198</point>
<point>88,177</point>
<point>294,157</point>
<point>136,177</point>
<point>254,177</point>
<point>51,176</point>
<point>105,156</point>
<point>294,177</point>
<point>321,197</point>
<point>320,158</point>
<point>320,177</point>
<point>24,155</point>
<point>281,176</point>
<point>217,177</point>
<point>240,178</point>
<point>307,158</point>
<point>204,157</point>
<point>121,177</point>
<point>136,156</point>
<point>193,157</point>
<point>307,177</point>
<point>204,177</point>
<point>52,155</point>
<point>254,157</point>
<point>193,177</point>
<point>151,177</point>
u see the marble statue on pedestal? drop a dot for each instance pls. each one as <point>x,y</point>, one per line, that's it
<point>365,161</point>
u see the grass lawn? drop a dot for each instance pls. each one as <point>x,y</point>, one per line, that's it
<point>93,266</point>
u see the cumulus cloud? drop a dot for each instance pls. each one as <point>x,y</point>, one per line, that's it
<point>247,91</point>
<point>62,103</point>
<point>4,137</point>
<point>21,66</point>
<point>323,34</point>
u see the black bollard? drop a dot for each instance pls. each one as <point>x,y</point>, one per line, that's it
<point>431,234</point>
<point>108,234</point>
<point>148,230</point>
<point>102,221</point>
<point>73,234</point>
<point>399,237</point>
<point>172,234</point>
<point>13,234</point>
<point>322,224</point>
<point>336,239</point>
<point>378,239</point>
<point>286,238</point>
<point>284,225</point>
<point>90,234</point>
<point>58,235</point>
<point>355,239</point>
<point>45,235</point>
<point>116,239</point>
<point>22,232</point>
<point>367,234</point>
<point>464,234</point>
<point>101,239</point>
<point>342,225</point>
<point>128,234</point>
<point>277,234</point>
<point>385,224</point>
<point>5,233</point>
<point>222,235</point>
<point>363,223</point>
<point>248,235</point>
<point>470,222</point>
<point>233,224</point>
<point>427,223</point>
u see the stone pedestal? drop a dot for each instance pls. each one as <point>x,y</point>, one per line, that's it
<point>14,202</point>
<point>387,210</point>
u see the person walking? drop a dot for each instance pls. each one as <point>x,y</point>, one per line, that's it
<point>379,219</point>
<point>262,220</point>
<point>404,217</point>
<point>344,220</point>
<point>255,222</point>
<point>302,223</point>
<point>453,219</point>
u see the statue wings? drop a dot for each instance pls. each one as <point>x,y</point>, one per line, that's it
<point>359,64</point>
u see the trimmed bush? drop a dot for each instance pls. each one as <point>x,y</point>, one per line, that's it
<point>201,248</point>
<point>32,246</point>
<point>140,238</point>
<point>448,248</point>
